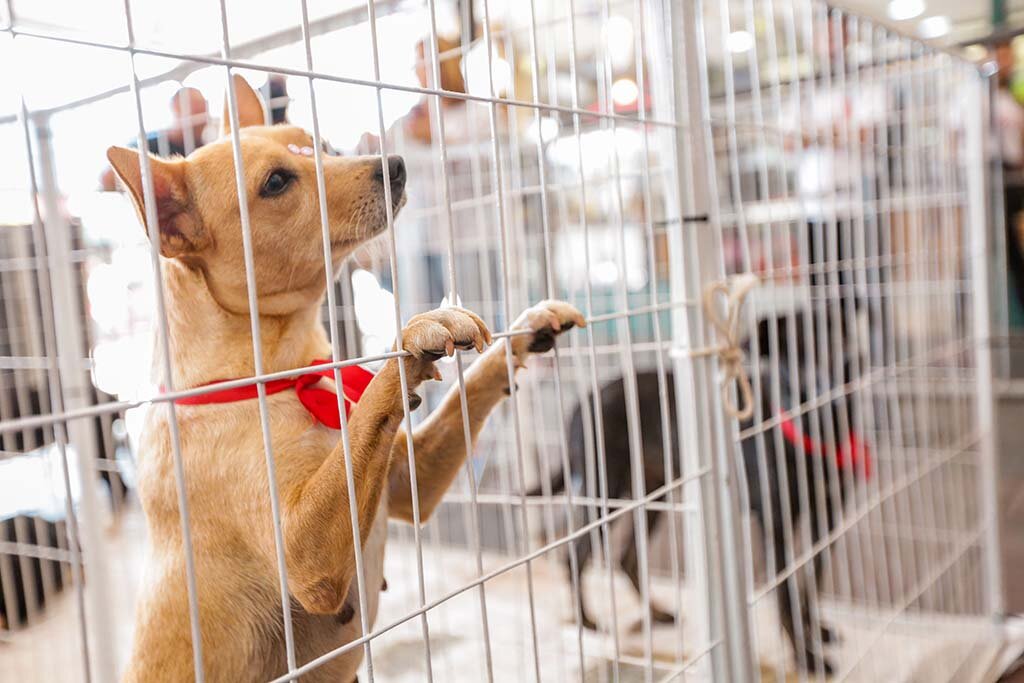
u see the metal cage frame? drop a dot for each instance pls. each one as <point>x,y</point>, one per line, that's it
<point>703,209</point>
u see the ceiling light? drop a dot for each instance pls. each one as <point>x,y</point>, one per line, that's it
<point>624,92</point>
<point>976,52</point>
<point>933,27</point>
<point>901,10</point>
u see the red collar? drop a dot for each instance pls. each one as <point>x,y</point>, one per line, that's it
<point>852,454</point>
<point>321,403</point>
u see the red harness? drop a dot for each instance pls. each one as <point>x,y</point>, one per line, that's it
<point>321,403</point>
<point>853,454</point>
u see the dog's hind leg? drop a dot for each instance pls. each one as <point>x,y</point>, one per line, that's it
<point>630,561</point>
<point>807,656</point>
<point>826,633</point>
<point>820,528</point>
<point>583,548</point>
<point>792,600</point>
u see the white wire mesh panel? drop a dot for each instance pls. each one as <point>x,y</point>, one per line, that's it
<point>612,521</point>
<point>846,168</point>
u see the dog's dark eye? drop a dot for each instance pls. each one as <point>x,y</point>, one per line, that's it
<point>276,183</point>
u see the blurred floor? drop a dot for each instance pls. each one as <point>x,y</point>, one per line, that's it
<point>1012,509</point>
<point>1011,496</point>
<point>913,649</point>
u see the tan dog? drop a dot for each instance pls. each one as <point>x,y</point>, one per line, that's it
<point>221,444</point>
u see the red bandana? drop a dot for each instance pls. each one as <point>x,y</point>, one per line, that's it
<point>321,403</point>
<point>852,454</point>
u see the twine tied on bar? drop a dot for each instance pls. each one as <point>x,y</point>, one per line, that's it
<point>727,330</point>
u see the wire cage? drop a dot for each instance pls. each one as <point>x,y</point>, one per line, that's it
<point>635,158</point>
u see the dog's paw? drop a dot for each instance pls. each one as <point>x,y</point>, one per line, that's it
<point>660,616</point>
<point>545,321</point>
<point>814,662</point>
<point>588,623</point>
<point>431,335</point>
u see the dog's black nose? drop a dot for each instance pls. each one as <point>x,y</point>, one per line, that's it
<point>396,173</point>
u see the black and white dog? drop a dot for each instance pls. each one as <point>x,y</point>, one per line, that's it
<point>802,441</point>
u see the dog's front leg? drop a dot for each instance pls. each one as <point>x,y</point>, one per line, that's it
<point>440,442</point>
<point>317,525</point>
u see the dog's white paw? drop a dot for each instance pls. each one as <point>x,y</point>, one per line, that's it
<point>546,320</point>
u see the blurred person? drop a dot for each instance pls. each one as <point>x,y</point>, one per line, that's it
<point>189,110</point>
<point>417,122</point>
<point>464,121</point>
<point>1009,134</point>
<point>275,92</point>
<point>413,136</point>
<point>830,126</point>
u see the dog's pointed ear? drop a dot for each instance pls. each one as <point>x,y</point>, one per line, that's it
<point>181,230</point>
<point>251,110</point>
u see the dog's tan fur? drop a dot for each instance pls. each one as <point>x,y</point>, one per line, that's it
<point>221,444</point>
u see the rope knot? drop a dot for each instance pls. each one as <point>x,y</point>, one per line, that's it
<point>727,329</point>
<point>730,355</point>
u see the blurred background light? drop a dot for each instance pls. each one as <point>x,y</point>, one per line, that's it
<point>375,312</point>
<point>475,67</point>
<point>619,39</point>
<point>901,10</point>
<point>548,129</point>
<point>739,42</point>
<point>976,52</point>
<point>624,92</point>
<point>933,27</point>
